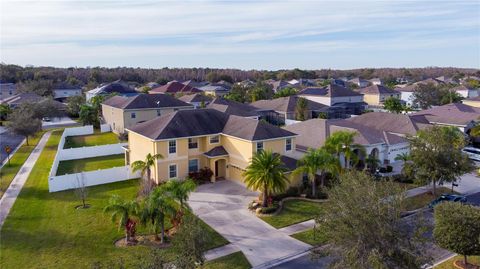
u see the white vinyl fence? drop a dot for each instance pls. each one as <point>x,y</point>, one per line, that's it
<point>105,128</point>
<point>91,178</point>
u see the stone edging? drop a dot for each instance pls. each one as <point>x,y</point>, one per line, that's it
<point>280,205</point>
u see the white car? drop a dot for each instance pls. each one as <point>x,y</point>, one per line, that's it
<point>473,153</point>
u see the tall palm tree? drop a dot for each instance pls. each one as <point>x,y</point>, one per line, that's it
<point>180,190</point>
<point>317,160</point>
<point>342,142</point>
<point>266,172</point>
<point>156,207</point>
<point>123,211</point>
<point>145,168</point>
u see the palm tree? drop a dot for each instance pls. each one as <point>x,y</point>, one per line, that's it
<point>145,168</point>
<point>343,142</point>
<point>157,206</point>
<point>404,157</point>
<point>372,162</point>
<point>180,190</point>
<point>317,160</point>
<point>266,172</point>
<point>124,211</point>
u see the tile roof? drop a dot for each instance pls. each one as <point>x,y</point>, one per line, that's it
<point>145,101</point>
<point>196,97</point>
<point>233,107</point>
<point>331,90</point>
<point>456,114</point>
<point>216,151</point>
<point>175,87</point>
<point>287,104</point>
<point>377,89</point>
<point>199,122</point>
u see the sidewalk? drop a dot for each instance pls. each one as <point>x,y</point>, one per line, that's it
<point>467,184</point>
<point>9,197</point>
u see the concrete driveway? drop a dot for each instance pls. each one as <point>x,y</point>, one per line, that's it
<point>223,206</point>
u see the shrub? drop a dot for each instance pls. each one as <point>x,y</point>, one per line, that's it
<point>382,170</point>
<point>389,168</point>
<point>290,192</point>
<point>202,176</point>
<point>270,209</point>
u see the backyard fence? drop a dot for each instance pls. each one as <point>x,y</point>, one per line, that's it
<point>103,176</point>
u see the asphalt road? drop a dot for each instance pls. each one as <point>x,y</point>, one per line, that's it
<point>305,262</point>
<point>474,199</point>
<point>6,138</point>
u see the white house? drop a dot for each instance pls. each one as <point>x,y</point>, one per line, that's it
<point>331,95</point>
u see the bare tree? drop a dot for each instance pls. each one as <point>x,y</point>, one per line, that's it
<point>81,189</point>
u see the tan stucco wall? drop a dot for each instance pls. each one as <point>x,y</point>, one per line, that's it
<point>371,99</point>
<point>471,103</point>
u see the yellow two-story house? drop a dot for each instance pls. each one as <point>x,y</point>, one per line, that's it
<point>122,112</point>
<point>189,140</point>
<point>376,95</point>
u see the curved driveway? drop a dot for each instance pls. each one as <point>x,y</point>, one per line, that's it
<point>223,206</point>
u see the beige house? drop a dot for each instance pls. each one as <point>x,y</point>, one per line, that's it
<point>189,140</point>
<point>475,102</point>
<point>122,112</point>
<point>375,95</point>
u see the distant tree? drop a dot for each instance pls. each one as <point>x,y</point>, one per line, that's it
<point>448,97</point>
<point>124,211</point>
<point>436,156</point>
<point>426,95</point>
<point>48,108</point>
<point>145,89</point>
<point>393,105</point>
<point>473,83</point>
<point>74,105</point>
<point>22,121</point>
<point>40,87</point>
<point>260,91</point>
<point>301,109</point>
<point>88,115</point>
<point>285,92</point>
<point>266,173</point>
<point>237,93</point>
<point>162,81</point>
<point>4,111</point>
<point>457,228</point>
<point>365,230</point>
<point>190,243</point>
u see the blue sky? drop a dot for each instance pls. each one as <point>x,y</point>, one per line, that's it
<point>241,34</point>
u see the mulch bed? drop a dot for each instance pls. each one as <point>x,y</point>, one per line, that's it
<point>460,265</point>
<point>144,240</point>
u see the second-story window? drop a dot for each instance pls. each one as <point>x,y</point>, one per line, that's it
<point>288,144</point>
<point>172,147</point>
<point>214,139</point>
<point>193,143</point>
<point>259,146</point>
<point>133,115</point>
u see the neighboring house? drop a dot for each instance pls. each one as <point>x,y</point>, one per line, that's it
<point>62,91</point>
<point>406,92</point>
<point>223,83</point>
<point>117,87</point>
<point>447,80</point>
<point>359,82</point>
<point>22,98</point>
<point>246,83</point>
<point>375,95</point>
<point>376,81</point>
<point>287,106</point>
<point>7,90</point>
<point>465,92</point>
<point>345,100</point>
<point>382,145</point>
<point>196,99</point>
<point>458,115</point>
<point>122,112</point>
<point>234,108</point>
<point>195,83</point>
<point>302,82</point>
<point>190,140</point>
<point>175,87</point>
<point>278,85</point>
<point>475,102</point>
<point>215,90</point>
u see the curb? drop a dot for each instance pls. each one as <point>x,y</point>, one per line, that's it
<point>282,260</point>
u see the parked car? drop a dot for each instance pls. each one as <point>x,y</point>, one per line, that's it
<point>46,119</point>
<point>473,153</point>
<point>448,198</point>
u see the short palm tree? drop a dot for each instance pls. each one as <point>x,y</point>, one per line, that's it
<point>342,142</point>
<point>145,168</point>
<point>372,162</point>
<point>123,212</point>
<point>317,160</point>
<point>180,190</point>
<point>266,173</point>
<point>156,207</point>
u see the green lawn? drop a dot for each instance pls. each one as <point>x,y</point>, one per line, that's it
<point>233,261</point>
<point>311,237</point>
<point>422,200</point>
<point>8,172</point>
<point>90,164</point>
<point>91,140</point>
<point>44,230</point>
<point>449,263</point>
<point>294,211</point>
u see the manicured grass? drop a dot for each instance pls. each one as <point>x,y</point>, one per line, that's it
<point>8,172</point>
<point>311,237</point>
<point>294,211</point>
<point>233,261</point>
<point>449,263</point>
<point>44,230</point>
<point>91,140</point>
<point>424,199</point>
<point>90,164</point>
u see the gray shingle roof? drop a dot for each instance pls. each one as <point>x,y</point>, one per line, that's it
<point>145,101</point>
<point>331,90</point>
<point>216,151</point>
<point>395,123</point>
<point>197,97</point>
<point>117,86</point>
<point>233,108</point>
<point>456,113</point>
<point>287,104</point>
<point>377,89</point>
<point>199,122</point>
<point>174,87</point>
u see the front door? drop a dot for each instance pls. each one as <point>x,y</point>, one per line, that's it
<point>216,169</point>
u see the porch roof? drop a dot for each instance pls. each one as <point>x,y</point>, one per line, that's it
<point>216,152</point>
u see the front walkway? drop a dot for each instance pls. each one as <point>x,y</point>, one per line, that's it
<point>467,184</point>
<point>223,206</point>
<point>9,197</point>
